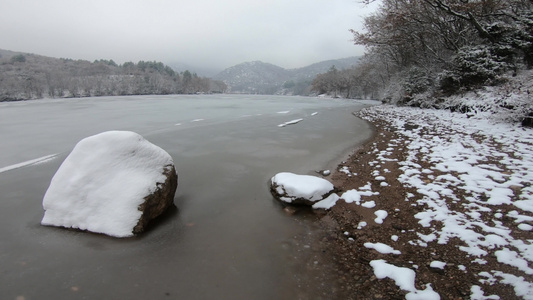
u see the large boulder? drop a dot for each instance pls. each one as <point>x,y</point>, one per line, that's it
<point>112,183</point>
<point>300,189</point>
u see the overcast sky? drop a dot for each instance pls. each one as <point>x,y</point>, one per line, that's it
<point>204,33</point>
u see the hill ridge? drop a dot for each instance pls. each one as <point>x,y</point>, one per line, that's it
<point>258,77</point>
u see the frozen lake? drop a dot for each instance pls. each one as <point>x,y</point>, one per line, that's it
<point>228,239</point>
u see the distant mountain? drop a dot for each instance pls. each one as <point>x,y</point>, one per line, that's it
<point>263,78</point>
<point>254,77</point>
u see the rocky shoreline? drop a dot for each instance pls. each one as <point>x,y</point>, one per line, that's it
<point>444,261</point>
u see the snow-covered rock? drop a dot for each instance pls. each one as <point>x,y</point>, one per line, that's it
<point>112,183</point>
<point>300,189</point>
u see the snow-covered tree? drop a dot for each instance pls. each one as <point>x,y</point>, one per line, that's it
<point>433,47</point>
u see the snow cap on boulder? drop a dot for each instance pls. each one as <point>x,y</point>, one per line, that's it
<point>300,189</point>
<point>113,183</point>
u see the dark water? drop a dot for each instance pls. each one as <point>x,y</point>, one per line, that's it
<point>228,239</point>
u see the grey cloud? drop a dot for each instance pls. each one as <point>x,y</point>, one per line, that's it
<point>202,32</point>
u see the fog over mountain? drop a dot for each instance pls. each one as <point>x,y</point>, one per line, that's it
<point>200,33</point>
<point>258,77</point>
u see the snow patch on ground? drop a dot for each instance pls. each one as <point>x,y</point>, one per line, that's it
<point>354,196</point>
<point>404,279</point>
<point>437,264</point>
<point>369,204</point>
<point>327,203</point>
<point>380,216</point>
<point>478,294</point>
<point>382,248</point>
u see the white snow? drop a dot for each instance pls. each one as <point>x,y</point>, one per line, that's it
<point>354,196</point>
<point>478,294</point>
<point>345,170</point>
<point>351,196</point>
<point>369,204</point>
<point>382,248</point>
<point>327,203</point>
<point>404,279</point>
<point>525,227</point>
<point>297,186</point>
<point>521,287</point>
<point>380,216</point>
<point>35,161</point>
<point>292,122</point>
<point>512,258</point>
<point>102,182</point>
<point>437,264</point>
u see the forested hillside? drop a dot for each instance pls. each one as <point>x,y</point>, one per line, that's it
<point>424,53</point>
<point>29,76</point>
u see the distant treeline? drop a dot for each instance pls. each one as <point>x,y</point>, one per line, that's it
<point>30,76</point>
<point>351,83</point>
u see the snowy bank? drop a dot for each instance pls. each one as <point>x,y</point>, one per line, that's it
<point>454,194</point>
<point>466,183</point>
<point>112,183</point>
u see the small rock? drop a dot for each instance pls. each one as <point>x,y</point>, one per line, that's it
<point>300,189</point>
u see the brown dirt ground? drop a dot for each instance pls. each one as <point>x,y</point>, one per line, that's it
<point>350,259</point>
